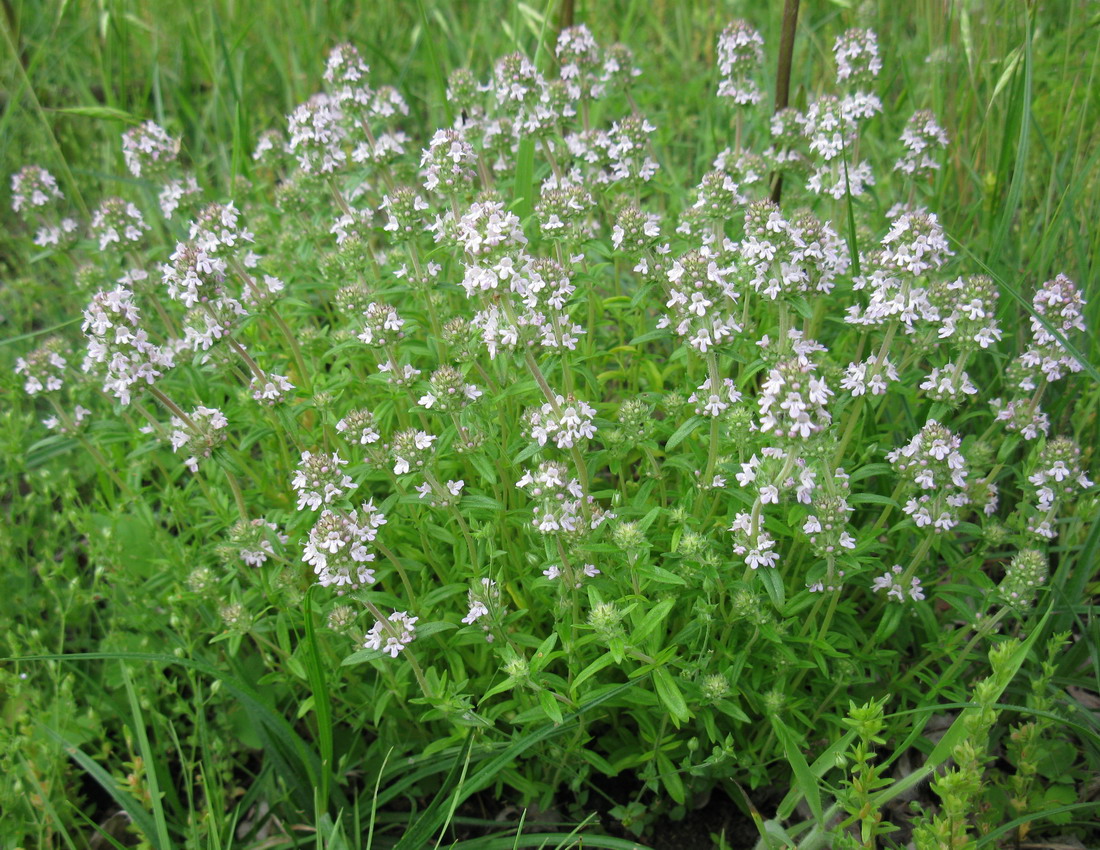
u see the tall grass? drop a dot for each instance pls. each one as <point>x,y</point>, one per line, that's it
<point>1016,90</point>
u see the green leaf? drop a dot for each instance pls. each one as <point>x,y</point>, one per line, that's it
<point>822,765</point>
<point>681,433</point>
<point>661,575</point>
<point>542,654</point>
<point>361,657</point>
<point>591,670</point>
<point>669,694</point>
<point>1054,815</point>
<point>104,113</point>
<point>670,778</point>
<point>550,706</point>
<point>650,622</point>
<point>645,522</point>
<point>804,778</point>
<point>429,629</point>
<point>523,197</point>
<point>481,502</point>
<point>500,687</point>
<point>142,735</point>
<point>434,65</point>
<point>773,583</point>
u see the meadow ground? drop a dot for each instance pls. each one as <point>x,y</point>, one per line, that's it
<point>541,481</point>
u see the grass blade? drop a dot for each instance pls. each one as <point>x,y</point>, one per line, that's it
<point>142,736</point>
<point>141,818</point>
<point>322,707</point>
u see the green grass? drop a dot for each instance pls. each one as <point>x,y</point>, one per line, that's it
<point>130,704</point>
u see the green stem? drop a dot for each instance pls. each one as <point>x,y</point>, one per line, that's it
<point>712,449</point>
<point>392,558</point>
<point>388,626</point>
<point>174,408</point>
<point>238,496</point>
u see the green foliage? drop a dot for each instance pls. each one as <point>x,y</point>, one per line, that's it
<point>175,675</point>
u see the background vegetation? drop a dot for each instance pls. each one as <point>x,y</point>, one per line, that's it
<point>88,571</point>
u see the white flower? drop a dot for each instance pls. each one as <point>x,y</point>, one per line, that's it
<point>393,634</point>
<point>320,481</point>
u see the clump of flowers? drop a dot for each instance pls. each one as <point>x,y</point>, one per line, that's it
<point>1058,476</point>
<point>740,57</point>
<point>922,138</point>
<point>117,222</point>
<point>565,422</point>
<point>148,149</point>
<point>43,369</point>
<point>622,403</point>
<point>359,427</point>
<point>337,547</point>
<point>934,472</point>
<point>898,587</point>
<point>119,348</point>
<point>1024,576</point>
<point>392,634</point>
<point>202,431</point>
<point>253,541</point>
<point>33,188</point>
<point>320,480</point>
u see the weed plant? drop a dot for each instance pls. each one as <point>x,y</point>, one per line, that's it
<point>569,430</point>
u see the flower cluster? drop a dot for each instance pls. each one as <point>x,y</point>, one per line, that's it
<point>202,431</point>
<point>754,545</point>
<point>392,634</point>
<point>253,541</point>
<point>1060,306</point>
<point>1058,473</point>
<point>790,258</point>
<point>897,589</point>
<point>117,222</point>
<point>715,401</point>
<point>337,546</point>
<point>118,346</point>
<point>794,400</point>
<point>358,426</point>
<point>193,276</point>
<point>493,241</point>
<point>448,391</point>
<point>701,302</point>
<point>484,601</point>
<point>921,138</point>
<point>449,163</point>
<point>271,389</point>
<point>33,188</point>
<point>148,149</point>
<point>740,58</point>
<point>566,422</point>
<point>561,506</point>
<point>1024,575</point>
<point>320,480</point>
<point>410,450</point>
<point>828,126</point>
<point>827,523</point>
<point>934,472</point>
<point>43,369</point>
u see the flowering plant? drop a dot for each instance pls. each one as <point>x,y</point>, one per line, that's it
<point>549,440</point>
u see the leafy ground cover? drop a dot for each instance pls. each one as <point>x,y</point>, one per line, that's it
<point>438,425</point>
